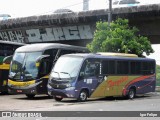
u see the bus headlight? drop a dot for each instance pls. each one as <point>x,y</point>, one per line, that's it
<point>68,85</point>
<point>48,86</point>
<point>49,79</point>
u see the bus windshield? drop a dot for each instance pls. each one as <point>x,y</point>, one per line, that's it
<point>24,65</point>
<point>67,67</point>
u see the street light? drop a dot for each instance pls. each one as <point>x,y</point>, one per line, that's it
<point>110,13</point>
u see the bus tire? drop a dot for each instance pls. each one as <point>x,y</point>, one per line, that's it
<point>131,93</point>
<point>57,98</point>
<point>82,96</point>
<point>30,95</point>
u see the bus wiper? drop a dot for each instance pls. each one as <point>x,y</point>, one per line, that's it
<point>24,66</point>
<point>57,73</point>
<point>66,73</point>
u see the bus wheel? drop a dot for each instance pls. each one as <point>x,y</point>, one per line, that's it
<point>83,96</point>
<point>131,93</point>
<point>30,95</point>
<point>58,98</point>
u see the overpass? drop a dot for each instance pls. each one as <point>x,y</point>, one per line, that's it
<point>77,28</point>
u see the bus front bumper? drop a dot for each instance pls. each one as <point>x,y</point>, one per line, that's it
<point>22,87</point>
<point>22,91</point>
<point>64,93</point>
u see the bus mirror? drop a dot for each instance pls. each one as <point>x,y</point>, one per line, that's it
<point>40,58</point>
<point>81,75</point>
<point>44,70</point>
<point>37,64</point>
<point>7,60</point>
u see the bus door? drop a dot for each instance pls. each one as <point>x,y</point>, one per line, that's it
<point>89,77</point>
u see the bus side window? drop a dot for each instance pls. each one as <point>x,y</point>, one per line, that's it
<point>46,64</point>
<point>1,50</point>
<point>147,68</point>
<point>135,67</point>
<point>63,52</point>
<point>91,68</point>
<point>8,50</point>
<point>108,67</point>
<point>55,55</point>
<point>45,67</point>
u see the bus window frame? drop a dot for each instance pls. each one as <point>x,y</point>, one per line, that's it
<point>82,74</point>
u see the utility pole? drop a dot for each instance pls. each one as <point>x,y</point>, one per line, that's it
<point>110,13</point>
<point>85,5</point>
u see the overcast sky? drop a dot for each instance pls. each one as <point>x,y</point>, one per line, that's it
<point>24,8</point>
<point>156,54</point>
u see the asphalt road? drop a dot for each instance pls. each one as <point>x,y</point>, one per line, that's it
<point>147,102</point>
<point>150,102</point>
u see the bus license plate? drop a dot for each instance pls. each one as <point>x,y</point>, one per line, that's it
<point>19,91</point>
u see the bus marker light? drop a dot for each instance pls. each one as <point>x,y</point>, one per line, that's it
<point>19,91</point>
<point>59,96</point>
<point>5,82</point>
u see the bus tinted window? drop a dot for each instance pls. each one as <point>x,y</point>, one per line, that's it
<point>9,50</point>
<point>135,67</point>
<point>1,50</point>
<point>91,67</point>
<point>147,68</point>
<point>108,67</point>
<point>63,52</point>
<point>49,61</point>
<point>52,53</point>
<point>122,67</point>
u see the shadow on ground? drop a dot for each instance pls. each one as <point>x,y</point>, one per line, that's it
<point>90,100</point>
<point>34,98</point>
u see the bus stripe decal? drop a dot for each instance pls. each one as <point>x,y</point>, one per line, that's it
<point>138,79</point>
<point>105,87</point>
<point>4,66</point>
<point>141,78</point>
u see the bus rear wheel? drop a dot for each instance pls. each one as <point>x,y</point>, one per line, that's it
<point>30,95</point>
<point>131,93</point>
<point>58,98</point>
<point>83,96</point>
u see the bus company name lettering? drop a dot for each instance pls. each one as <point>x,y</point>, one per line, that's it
<point>112,83</point>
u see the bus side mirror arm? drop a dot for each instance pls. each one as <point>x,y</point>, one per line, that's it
<point>41,57</point>
<point>81,75</point>
<point>8,59</point>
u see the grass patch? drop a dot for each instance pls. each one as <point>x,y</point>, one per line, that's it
<point>158,75</point>
<point>158,83</point>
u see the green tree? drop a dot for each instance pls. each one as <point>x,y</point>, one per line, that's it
<point>119,37</point>
<point>158,74</point>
